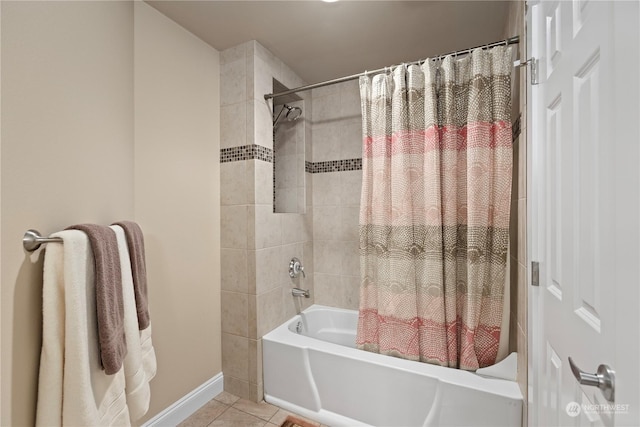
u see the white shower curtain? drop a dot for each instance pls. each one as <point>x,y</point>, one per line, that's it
<point>435,209</point>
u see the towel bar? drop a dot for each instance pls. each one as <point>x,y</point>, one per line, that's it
<point>32,240</point>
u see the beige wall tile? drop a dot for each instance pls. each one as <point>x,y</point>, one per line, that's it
<point>233,53</point>
<point>293,229</point>
<point>513,333</point>
<point>514,287</point>
<point>329,290</point>
<point>350,100</point>
<point>264,73</point>
<point>273,65</point>
<point>326,143</point>
<point>233,129</point>
<point>326,109</point>
<point>234,270</point>
<point>522,362</point>
<point>233,227</point>
<point>328,256</point>
<point>326,189</point>
<point>291,80</point>
<point>255,361</point>
<point>349,223</point>
<point>522,231</point>
<point>326,223</point>
<point>350,258</point>
<point>350,187</point>
<point>522,297</point>
<point>351,146</point>
<point>263,123</point>
<point>269,310</point>
<point>234,313</point>
<point>253,317</point>
<point>236,386</point>
<point>260,182</point>
<point>256,392</point>
<point>233,88</point>
<point>307,257</point>
<point>351,289</point>
<point>513,228</point>
<point>233,185</point>
<point>268,227</point>
<point>269,264</point>
<point>522,165</point>
<point>235,358</point>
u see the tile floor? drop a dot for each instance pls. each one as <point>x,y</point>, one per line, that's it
<point>227,410</point>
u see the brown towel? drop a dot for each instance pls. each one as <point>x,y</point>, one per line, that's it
<point>109,303</point>
<point>135,242</point>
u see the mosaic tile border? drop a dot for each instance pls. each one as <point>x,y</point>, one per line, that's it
<point>255,151</point>
<point>335,166</point>
<point>515,128</point>
<point>246,152</point>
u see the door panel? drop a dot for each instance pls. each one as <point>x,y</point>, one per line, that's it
<point>578,145</point>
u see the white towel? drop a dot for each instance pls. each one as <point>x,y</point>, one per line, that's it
<point>140,362</point>
<point>73,389</point>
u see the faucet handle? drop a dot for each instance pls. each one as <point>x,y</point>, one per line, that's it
<point>295,268</point>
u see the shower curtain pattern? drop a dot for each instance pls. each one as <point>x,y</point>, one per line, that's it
<point>435,206</point>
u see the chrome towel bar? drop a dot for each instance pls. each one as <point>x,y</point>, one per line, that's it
<point>32,240</point>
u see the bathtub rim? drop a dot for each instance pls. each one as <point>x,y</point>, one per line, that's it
<point>496,386</point>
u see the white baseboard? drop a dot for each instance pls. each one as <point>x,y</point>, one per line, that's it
<point>188,404</point>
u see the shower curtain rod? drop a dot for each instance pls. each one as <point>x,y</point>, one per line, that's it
<point>511,40</point>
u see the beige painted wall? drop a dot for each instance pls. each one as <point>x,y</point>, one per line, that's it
<point>177,199</point>
<point>74,150</point>
<point>67,155</point>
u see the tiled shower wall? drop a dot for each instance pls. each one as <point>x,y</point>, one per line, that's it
<point>256,243</point>
<point>518,227</point>
<point>337,142</point>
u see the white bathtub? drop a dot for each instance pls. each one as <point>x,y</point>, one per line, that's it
<point>317,372</point>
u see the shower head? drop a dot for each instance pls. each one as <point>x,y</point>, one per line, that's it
<point>293,113</point>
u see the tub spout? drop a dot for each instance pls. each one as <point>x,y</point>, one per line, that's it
<point>297,292</point>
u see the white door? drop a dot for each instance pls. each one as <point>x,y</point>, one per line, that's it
<point>584,217</point>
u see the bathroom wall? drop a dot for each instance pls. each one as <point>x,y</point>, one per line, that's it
<point>518,228</point>
<point>337,182</point>
<point>289,162</point>
<point>67,155</point>
<point>177,187</point>
<point>257,243</point>
<point>72,152</point>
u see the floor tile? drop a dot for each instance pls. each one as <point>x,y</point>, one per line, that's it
<point>227,398</point>
<point>235,418</point>
<point>261,409</point>
<point>203,416</point>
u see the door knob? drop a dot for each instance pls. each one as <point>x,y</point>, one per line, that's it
<point>604,379</point>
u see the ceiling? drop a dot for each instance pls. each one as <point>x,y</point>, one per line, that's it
<point>322,41</point>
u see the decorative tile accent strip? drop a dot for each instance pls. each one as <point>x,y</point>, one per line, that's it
<point>246,152</point>
<point>336,166</point>
<point>515,128</point>
<point>308,166</point>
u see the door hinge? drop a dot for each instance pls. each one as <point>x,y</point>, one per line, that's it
<point>533,64</point>
<point>534,71</point>
<point>535,273</point>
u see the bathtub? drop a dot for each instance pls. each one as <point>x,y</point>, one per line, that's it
<point>311,367</point>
